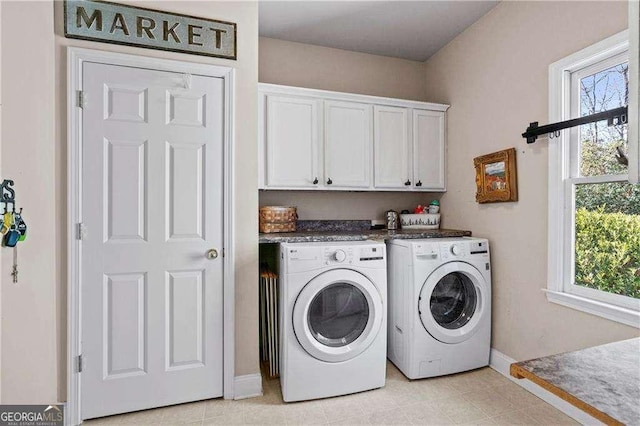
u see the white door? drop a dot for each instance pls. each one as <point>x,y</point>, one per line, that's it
<point>152,149</point>
<point>348,144</point>
<point>428,150</point>
<point>292,142</point>
<point>391,141</point>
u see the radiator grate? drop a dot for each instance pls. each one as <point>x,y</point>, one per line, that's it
<point>269,331</point>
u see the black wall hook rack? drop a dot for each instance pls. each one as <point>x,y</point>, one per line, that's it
<point>613,116</point>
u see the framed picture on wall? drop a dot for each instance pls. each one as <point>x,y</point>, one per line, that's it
<point>496,179</point>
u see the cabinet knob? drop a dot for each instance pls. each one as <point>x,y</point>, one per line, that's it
<point>329,181</point>
<point>407,183</point>
<point>315,181</point>
<point>419,183</point>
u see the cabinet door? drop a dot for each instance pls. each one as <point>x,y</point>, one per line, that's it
<point>391,144</point>
<point>292,136</point>
<point>348,144</point>
<point>428,150</point>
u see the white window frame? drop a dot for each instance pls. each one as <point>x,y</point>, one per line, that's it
<point>634,92</point>
<point>560,274</point>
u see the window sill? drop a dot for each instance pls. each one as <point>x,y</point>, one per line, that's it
<point>590,306</point>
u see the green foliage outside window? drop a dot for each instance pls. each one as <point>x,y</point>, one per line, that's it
<point>608,251</point>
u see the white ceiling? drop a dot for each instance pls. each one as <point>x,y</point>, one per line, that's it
<point>404,29</point>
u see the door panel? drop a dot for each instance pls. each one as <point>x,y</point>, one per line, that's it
<point>348,144</point>
<point>186,109</point>
<point>185,328</point>
<point>125,102</point>
<point>292,145</point>
<point>124,319</point>
<point>125,161</point>
<point>428,150</point>
<point>152,208</point>
<point>185,181</point>
<point>392,149</point>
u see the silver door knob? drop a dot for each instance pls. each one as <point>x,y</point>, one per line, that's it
<point>212,254</point>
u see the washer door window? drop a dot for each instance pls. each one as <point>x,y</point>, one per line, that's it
<point>337,315</point>
<point>452,302</point>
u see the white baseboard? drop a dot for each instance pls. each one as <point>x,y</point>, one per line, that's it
<point>247,386</point>
<point>501,363</point>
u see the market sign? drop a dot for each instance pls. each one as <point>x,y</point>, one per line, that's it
<point>137,26</point>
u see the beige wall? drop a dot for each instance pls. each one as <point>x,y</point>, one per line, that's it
<point>495,77</point>
<point>34,88</point>
<point>316,67</point>
<point>28,327</point>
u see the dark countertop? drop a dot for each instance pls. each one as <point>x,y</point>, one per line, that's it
<point>603,381</point>
<point>305,236</point>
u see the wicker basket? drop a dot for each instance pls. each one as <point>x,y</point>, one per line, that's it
<point>278,219</point>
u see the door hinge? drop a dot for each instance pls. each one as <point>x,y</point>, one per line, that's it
<point>80,231</point>
<point>79,99</point>
<point>79,363</point>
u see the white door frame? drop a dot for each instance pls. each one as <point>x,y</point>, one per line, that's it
<point>75,58</point>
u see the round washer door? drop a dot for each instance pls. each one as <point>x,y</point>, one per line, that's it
<point>337,315</point>
<point>453,301</point>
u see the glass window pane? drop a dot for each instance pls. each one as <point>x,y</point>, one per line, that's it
<point>453,301</point>
<point>338,314</point>
<point>599,143</point>
<point>607,237</point>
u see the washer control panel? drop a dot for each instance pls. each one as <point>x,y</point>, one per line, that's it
<point>338,255</point>
<point>299,257</point>
<point>370,254</point>
<point>452,250</point>
<point>426,251</point>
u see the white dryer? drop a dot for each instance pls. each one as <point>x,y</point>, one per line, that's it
<point>439,305</point>
<point>333,318</point>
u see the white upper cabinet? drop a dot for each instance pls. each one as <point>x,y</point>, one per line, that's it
<point>428,150</point>
<point>347,144</point>
<point>392,148</point>
<point>319,140</point>
<point>292,142</point>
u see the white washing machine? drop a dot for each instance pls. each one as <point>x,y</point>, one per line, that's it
<point>333,319</point>
<point>439,305</point>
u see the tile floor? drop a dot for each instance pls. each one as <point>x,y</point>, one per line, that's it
<point>480,397</point>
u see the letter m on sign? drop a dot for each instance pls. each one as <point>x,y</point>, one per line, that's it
<point>83,17</point>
